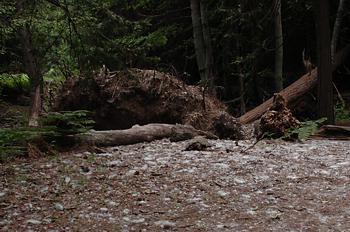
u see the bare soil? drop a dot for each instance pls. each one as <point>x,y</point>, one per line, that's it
<point>157,186</point>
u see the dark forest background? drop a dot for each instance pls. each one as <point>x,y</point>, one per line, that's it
<point>64,38</point>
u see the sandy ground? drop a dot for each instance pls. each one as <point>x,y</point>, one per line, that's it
<point>274,186</point>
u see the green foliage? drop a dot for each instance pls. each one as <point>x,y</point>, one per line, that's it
<point>56,130</point>
<point>301,132</point>
<point>7,27</point>
<point>67,123</point>
<point>304,130</point>
<point>53,75</point>
<point>152,40</point>
<point>14,82</point>
<point>341,112</point>
<point>13,141</point>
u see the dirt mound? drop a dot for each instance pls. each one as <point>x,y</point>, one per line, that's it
<point>122,99</point>
<point>278,119</point>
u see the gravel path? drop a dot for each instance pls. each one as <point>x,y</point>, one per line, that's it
<point>274,186</point>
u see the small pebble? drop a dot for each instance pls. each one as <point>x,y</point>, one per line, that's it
<point>59,206</point>
<point>33,221</point>
<point>222,193</point>
<point>67,179</point>
<point>165,224</point>
<point>112,203</point>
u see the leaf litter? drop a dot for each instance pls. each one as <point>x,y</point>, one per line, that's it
<point>160,186</point>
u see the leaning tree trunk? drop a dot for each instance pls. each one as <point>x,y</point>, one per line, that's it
<point>198,38</point>
<point>278,47</point>
<point>336,28</point>
<point>324,63</point>
<point>295,90</point>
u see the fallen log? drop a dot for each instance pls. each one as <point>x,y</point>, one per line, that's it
<point>293,91</point>
<point>137,134</point>
<point>333,132</point>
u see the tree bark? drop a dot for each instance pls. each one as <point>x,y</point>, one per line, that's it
<point>336,28</point>
<point>35,107</point>
<point>138,134</point>
<point>278,47</point>
<point>241,93</point>
<point>240,78</point>
<point>293,91</point>
<point>324,63</point>
<point>198,38</point>
<point>33,72</point>
<point>209,60</point>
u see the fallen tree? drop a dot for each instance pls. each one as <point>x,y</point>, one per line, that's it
<point>137,134</point>
<point>120,99</point>
<point>293,91</point>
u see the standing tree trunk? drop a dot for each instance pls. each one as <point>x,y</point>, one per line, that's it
<point>278,47</point>
<point>32,70</point>
<point>240,70</point>
<point>324,64</point>
<point>202,43</point>
<point>241,93</point>
<point>198,39</point>
<point>209,61</point>
<point>31,67</point>
<point>336,28</point>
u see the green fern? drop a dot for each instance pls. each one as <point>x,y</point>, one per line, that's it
<point>69,122</point>
<point>341,112</point>
<point>304,130</point>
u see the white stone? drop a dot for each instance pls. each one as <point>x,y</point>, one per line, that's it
<point>222,193</point>
<point>33,221</point>
<point>59,206</point>
<point>67,179</point>
<point>164,223</point>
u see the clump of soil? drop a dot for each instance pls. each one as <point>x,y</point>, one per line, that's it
<point>278,119</point>
<point>122,99</point>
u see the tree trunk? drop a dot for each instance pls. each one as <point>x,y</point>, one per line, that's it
<point>278,47</point>
<point>138,134</point>
<point>32,70</point>
<point>240,75</point>
<point>293,91</point>
<point>336,28</point>
<point>198,39</point>
<point>209,60</point>
<point>35,107</point>
<point>241,93</point>
<point>324,64</point>
<point>31,67</point>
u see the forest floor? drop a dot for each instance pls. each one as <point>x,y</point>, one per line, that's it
<point>157,186</point>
